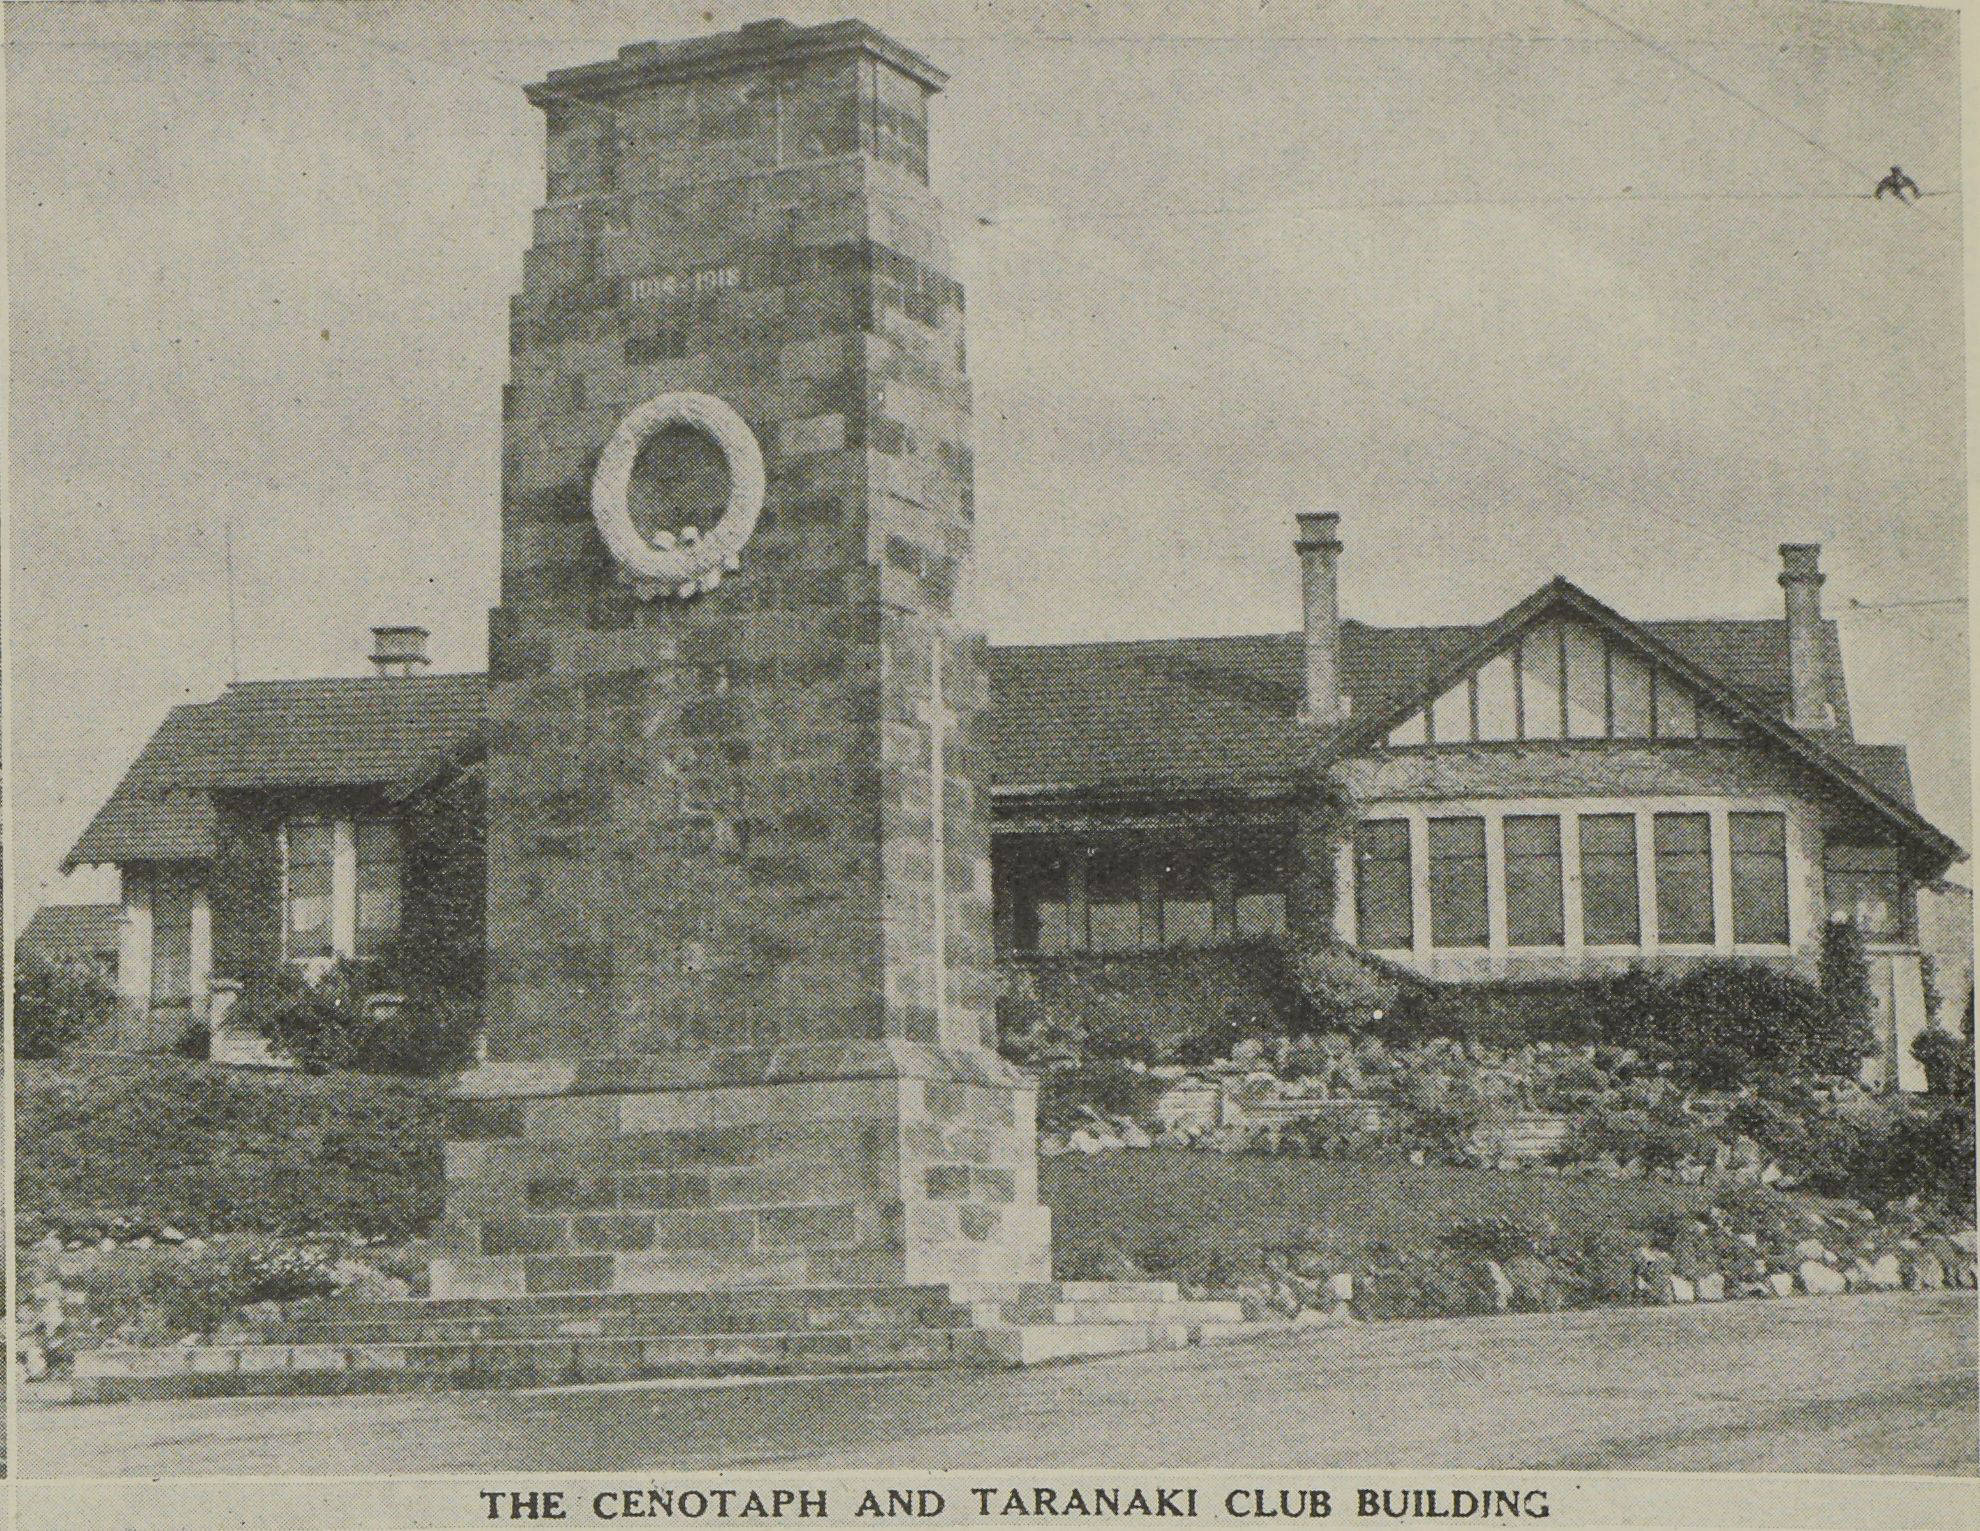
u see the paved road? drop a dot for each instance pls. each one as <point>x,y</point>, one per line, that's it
<point>1845,1384</point>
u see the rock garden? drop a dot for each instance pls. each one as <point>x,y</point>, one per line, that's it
<point>1376,1157</point>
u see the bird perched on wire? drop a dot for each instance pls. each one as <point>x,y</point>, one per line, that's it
<point>1899,185</point>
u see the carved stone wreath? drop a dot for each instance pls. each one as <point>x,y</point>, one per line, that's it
<point>693,561</point>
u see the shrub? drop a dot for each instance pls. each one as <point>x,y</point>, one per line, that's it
<point>329,1024</point>
<point>1599,1008</point>
<point>1769,1016</point>
<point>1926,1152</point>
<point>1237,1023</point>
<point>57,1005</point>
<point>1343,988</point>
<point>1948,1063</point>
<point>1106,1086</point>
<point>1494,1239</point>
<point>1844,977</point>
<point>1031,1033</point>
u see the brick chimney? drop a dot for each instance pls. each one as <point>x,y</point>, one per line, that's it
<point>1319,547</point>
<point>1808,666</point>
<point>399,650</point>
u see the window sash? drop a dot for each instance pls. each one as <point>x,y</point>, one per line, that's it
<point>1610,915</point>
<point>171,942</point>
<point>1113,898</point>
<point>309,875</point>
<point>1459,916</point>
<point>1384,917</point>
<point>1685,912</point>
<point>1536,910</point>
<point>1759,879</point>
<point>1189,911</point>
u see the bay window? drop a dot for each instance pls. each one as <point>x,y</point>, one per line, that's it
<point>1544,876</point>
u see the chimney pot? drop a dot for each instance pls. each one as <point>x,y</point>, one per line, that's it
<point>1808,662</point>
<point>399,650</point>
<point>1319,548</point>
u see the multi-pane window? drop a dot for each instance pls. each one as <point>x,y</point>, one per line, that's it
<point>1609,914</point>
<point>341,887</point>
<point>171,941</point>
<point>1189,914</point>
<point>1759,878</point>
<point>1128,893</point>
<point>1260,875</point>
<point>1458,915</point>
<point>1684,878</point>
<point>309,874</point>
<point>1534,910</point>
<point>1538,900</point>
<point>1382,906</point>
<point>378,895</point>
<point>1113,897</point>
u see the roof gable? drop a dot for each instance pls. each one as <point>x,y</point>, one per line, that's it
<point>1566,604</point>
<point>1560,677</point>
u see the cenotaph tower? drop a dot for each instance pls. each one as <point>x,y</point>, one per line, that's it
<point>740,974</point>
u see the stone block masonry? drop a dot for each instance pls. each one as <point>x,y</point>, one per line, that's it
<point>863,1164</point>
<point>750,826</point>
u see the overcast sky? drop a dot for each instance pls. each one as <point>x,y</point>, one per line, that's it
<point>1518,289</point>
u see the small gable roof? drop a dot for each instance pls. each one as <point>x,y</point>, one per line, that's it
<point>375,731</point>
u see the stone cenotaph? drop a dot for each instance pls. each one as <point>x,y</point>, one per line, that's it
<point>740,976</point>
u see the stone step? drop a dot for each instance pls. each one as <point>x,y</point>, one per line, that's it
<point>417,1344</point>
<point>1178,1312</point>
<point>1049,1292</point>
<point>619,1316</point>
<point>1117,1291</point>
<point>812,1296</point>
<point>261,1369</point>
<point>198,1370</point>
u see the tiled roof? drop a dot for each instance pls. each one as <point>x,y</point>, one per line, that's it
<point>66,932</point>
<point>1215,709</point>
<point>362,731</point>
<point>1165,715</point>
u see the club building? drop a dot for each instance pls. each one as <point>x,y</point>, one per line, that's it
<point>1562,790</point>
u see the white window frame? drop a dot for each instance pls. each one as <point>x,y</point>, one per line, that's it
<point>343,888</point>
<point>1501,956</point>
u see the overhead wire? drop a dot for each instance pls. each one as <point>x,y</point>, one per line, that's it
<point>1826,150</point>
<point>1380,389</point>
